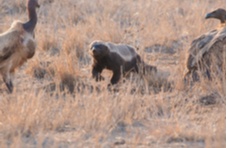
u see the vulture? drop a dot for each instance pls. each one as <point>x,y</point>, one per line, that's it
<point>17,44</point>
<point>207,52</point>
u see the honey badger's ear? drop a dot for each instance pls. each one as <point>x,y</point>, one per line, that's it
<point>92,44</point>
<point>103,47</point>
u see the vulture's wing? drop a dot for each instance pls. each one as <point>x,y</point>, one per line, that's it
<point>201,46</point>
<point>29,44</point>
<point>9,41</point>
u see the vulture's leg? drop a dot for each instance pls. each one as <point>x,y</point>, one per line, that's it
<point>8,82</point>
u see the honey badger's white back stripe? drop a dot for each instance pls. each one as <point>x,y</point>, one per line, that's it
<point>125,51</point>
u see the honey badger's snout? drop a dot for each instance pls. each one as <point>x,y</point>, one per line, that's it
<point>93,50</point>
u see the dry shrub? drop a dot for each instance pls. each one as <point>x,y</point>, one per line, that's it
<point>75,44</point>
<point>50,44</point>
<point>12,8</point>
<point>39,72</point>
<point>67,81</point>
<point>40,114</point>
<point>40,69</point>
<point>106,29</point>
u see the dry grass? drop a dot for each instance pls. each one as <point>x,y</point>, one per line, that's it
<point>57,104</point>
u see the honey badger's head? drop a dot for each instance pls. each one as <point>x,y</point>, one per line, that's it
<point>99,49</point>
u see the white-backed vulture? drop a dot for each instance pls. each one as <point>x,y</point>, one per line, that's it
<point>17,44</point>
<point>206,54</point>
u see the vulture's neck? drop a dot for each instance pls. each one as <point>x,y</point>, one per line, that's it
<point>30,25</point>
<point>223,20</point>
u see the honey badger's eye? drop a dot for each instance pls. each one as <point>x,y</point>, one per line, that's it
<point>94,47</point>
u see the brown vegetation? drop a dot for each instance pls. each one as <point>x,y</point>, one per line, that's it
<point>43,111</point>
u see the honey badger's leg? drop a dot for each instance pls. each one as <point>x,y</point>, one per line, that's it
<point>8,81</point>
<point>116,76</point>
<point>96,72</point>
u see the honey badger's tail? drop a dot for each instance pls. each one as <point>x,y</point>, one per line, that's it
<point>147,69</point>
<point>144,68</point>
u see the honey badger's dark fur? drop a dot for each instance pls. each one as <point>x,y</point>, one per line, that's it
<point>118,58</point>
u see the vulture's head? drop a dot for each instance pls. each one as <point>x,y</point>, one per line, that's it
<point>32,4</point>
<point>218,14</point>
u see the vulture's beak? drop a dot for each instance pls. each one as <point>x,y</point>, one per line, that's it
<point>209,15</point>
